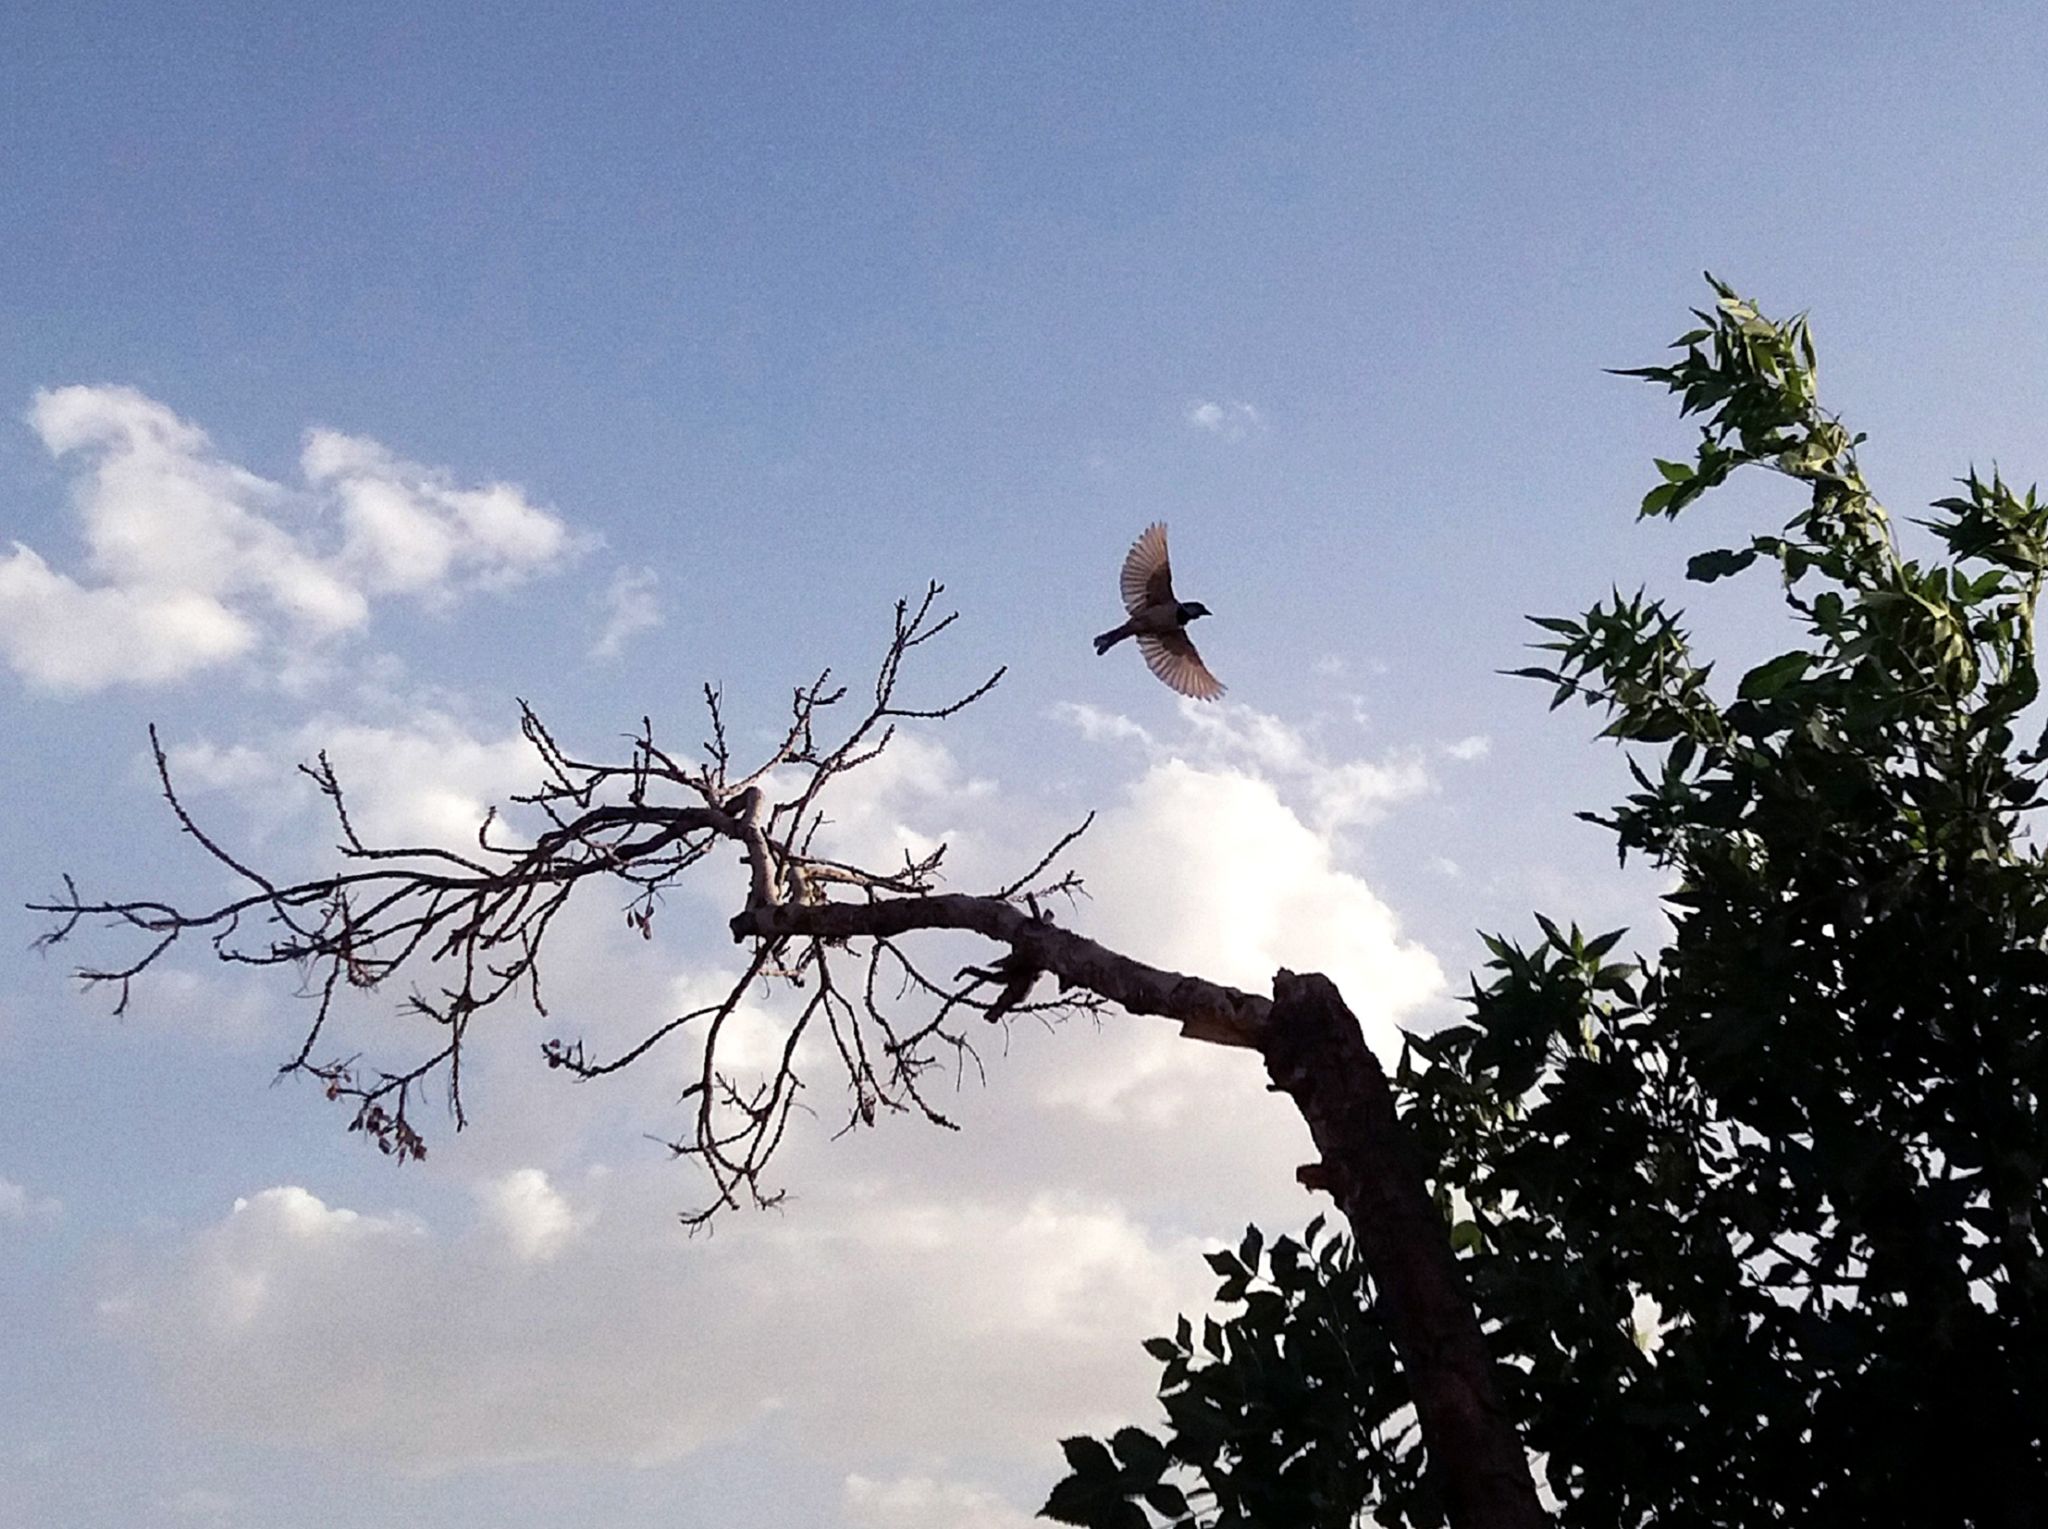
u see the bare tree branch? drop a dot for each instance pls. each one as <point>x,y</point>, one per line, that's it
<point>469,929</point>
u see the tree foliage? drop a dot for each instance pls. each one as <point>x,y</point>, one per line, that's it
<point>1291,1412</point>
<point>1812,1130</point>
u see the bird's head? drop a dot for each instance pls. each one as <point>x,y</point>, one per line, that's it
<point>1191,609</point>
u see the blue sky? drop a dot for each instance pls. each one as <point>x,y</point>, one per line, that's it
<point>756,318</point>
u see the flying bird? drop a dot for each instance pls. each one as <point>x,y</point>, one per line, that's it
<point>1159,620</point>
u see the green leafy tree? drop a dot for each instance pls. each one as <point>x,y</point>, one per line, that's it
<point>1813,1130</point>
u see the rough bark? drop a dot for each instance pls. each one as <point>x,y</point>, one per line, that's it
<point>1207,1011</point>
<point>1316,1053</point>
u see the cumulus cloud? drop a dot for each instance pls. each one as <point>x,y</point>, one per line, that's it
<point>192,561</point>
<point>423,778</point>
<point>409,529</point>
<point>1231,420</point>
<point>1243,886</point>
<point>533,1217</point>
<point>630,608</point>
<point>1000,1279</point>
<point>911,799</point>
<point>982,1322</point>
<point>1209,871</point>
<point>1224,859</point>
<point>1336,793</point>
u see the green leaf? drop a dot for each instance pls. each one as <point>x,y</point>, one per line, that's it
<point>1601,944</point>
<point>1614,976</point>
<point>1768,680</point>
<point>1838,1054</point>
<point>1658,500</point>
<point>1705,567</point>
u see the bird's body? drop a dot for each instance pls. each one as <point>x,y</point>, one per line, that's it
<point>1152,621</point>
<point>1159,620</point>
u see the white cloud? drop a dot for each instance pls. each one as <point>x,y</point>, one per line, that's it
<point>920,1502</point>
<point>533,1217</point>
<point>1231,420</point>
<point>1647,1325</point>
<point>17,1204</point>
<point>1100,726</point>
<point>1335,793</point>
<point>630,608</point>
<point>424,778</point>
<point>1465,750</point>
<point>1208,871</point>
<point>1224,861</point>
<point>984,1324</point>
<point>60,636</point>
<point>192,561</point>
<point>907,801</point>
<point>1220,862</point>
<point>750,1042</point>
<point>1000,1280</point>
<point>410,530</point>
<point>234,1009</point>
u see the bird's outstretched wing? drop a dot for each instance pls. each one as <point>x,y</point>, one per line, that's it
<point>1146,579</point>
<point>1174,659</point>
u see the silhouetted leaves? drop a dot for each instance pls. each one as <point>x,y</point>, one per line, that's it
<point>1273,1418</point>
<point>1811,1132</point>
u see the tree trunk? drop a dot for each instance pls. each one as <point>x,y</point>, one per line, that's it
<point>1316,1053</point>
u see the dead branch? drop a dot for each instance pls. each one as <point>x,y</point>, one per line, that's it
<point>467,929</point>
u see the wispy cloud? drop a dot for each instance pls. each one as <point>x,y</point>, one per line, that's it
<point>18,1204</point>
<point>630,608</point>
<point>1231,420</point>
<point>1337,793</point>
<point>920,1502</point>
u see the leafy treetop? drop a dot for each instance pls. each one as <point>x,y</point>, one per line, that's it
<point>1813,1130</point>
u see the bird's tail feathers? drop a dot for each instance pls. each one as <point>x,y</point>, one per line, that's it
<point>1110,639</point>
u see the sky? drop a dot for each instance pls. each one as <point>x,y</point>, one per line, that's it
<point>365,368</point>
